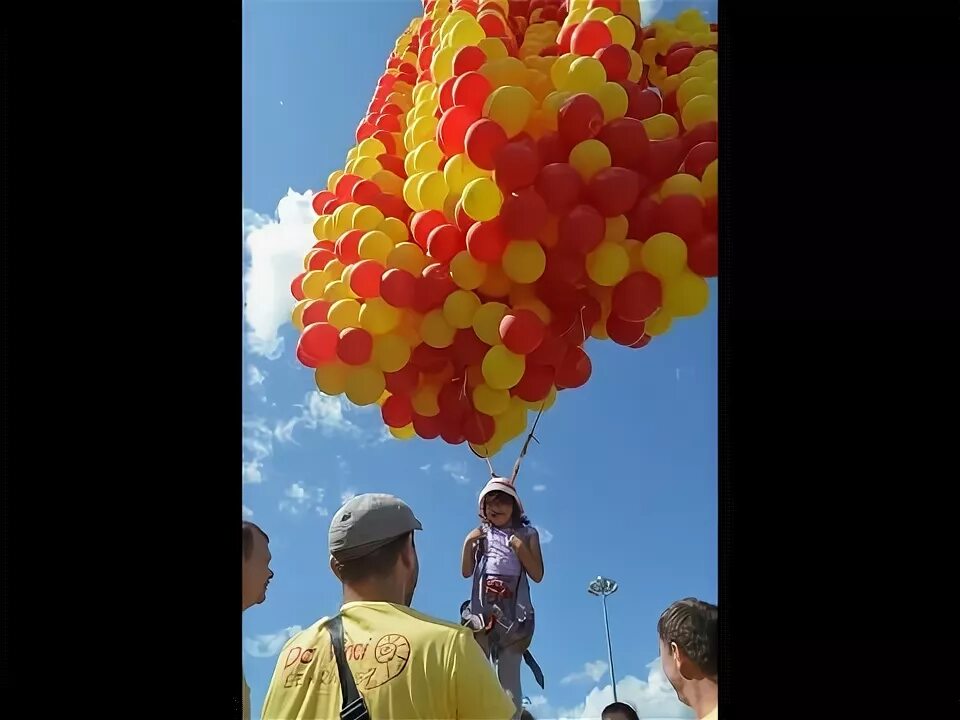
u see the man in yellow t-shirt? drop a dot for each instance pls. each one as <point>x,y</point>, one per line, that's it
<point>689,646</point>
<point>406,665</point>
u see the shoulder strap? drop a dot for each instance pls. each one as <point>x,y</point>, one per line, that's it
<point>353,707</point>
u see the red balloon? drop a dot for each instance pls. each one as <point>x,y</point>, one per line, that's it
<point>397,411</point>
<point>428,359</point>
<point>445,99</point>
<point>423,223</point>
<point>404,381</point>
<point>468,59</point>
<point>681,215</point>
<point>580,320</point>
<point>565,36</point>
<point>355,347</point>
<point>515,165</point>
<point>453,401</point>
<point>365,191</point>
<point>582,229</point>
<point>426,427</point>
<point>468,349</point>
<point>590,36</point>
<point>626,138</point>
<point>453,126</point>
<point>521,331</point>
<point>390,123</point>
<point>703,255</point>
<point>471,90</point>
<point>623,332</point>
<point>365,278</point>
<point>560,186</point>
<point>304,357</point>
<point>492,24</point>
<point>321,199</point>
<point>580,118</point>
<point>483,138</point>
<point>616,61</point>
<point>391,163</point>
<point>575,369</point>
<point>452,435</point>
<point>704,132</point>
<point>550,353</point>
<point>296,287</point>
<point>642,342</point>
<point>565,268</point>
<point>477,427</point>
<point>389,144</point>
<point>636,298</point>
<point>345,185</point>
<point>331,206</point>
<point>535,384</point>
<point>463,221</point>
<point>316,312</point>
<point>425,58</point>
<point>678,60</point>
<point>614,190</point>
<point>710,214</point>
<point>643,104</point>
<point>392,206</point>
<point>348,246</point>
<point>670,106</point>
<point>397,287</point>
<point>663,159</point>
<point>487,240</point>
<point>698,158</point>
<point>550,51</point>
<point>437,282</point>
<point>524,214</point>
<point>553,149</point>
<point>444,242</point>
<point>642,219</point>
<point>320,341</point>
<point>325,245</point>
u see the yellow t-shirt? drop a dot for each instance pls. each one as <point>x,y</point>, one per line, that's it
<point>712,715</point>
<point>406,665</point>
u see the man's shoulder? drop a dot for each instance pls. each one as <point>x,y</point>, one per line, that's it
<point>429,624</point>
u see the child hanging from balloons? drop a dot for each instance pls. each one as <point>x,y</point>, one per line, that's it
<point>500,555</point>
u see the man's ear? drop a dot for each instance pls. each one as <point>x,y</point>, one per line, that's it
<point>335,568</point>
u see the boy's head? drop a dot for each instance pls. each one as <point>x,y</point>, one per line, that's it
<point>688,643</point>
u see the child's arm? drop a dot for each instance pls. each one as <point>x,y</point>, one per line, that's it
<point>530,555</point>
<point>469,559</point>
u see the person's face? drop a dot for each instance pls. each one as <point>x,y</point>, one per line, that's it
<point>256,571</point>
<point>615,715</point>
<point>670,660</point>
<point>498,508</point>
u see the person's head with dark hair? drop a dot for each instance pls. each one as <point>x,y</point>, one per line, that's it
<point>619,711</point>
<point>372,551</point>
<point>256,565</point>
<point>688,653</point>
<point>500,504</point>
<point>525,715</point>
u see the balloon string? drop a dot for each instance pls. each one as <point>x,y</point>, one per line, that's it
<point>526,444</point>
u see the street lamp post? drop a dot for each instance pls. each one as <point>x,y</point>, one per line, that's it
<point>605,586</point>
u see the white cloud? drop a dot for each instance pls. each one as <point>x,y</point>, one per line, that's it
<point>654,698</point>
<point>592,672</point>
<point>247,512</point>
<point>270,645</point>
<point>546,537</point>
<point>318,411</point>
<point>301,498</point>
<point>347,495</point>
<point>458,471</point>
<point>539,488</point>
<point>257,447</point>
<point>255,376</point>
<point>425,468</point>
<point>275,250</point>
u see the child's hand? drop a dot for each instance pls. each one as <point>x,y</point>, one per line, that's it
<point>515,543</point>
<point>475,534</point>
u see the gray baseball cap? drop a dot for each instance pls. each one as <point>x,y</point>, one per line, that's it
<point>367,523</point>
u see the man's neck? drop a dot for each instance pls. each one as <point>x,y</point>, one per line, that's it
<point>702,696</point>
<point>372,591</point>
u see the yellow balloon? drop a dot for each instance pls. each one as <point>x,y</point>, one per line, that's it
<point>367,217</point>
<point>296,317</point>
<point>395,229</point>
<point>524,261</point>
<point>333,178</point>
<point>634,250</point>
<point>460,307</point>
<point>390,352</point>
<point>370,147</point>
<point>441,67</point>
<point>670,83</point>
<point>510,107</point>
<point>622,30</point>
<point>334,269</point>
<point>482,199</point>
<point>467,272</point>
<point>486,322</point>
<point>489,401</point>
<point>505,71</point>
<point>522,292</point>
<point>551,107</point>
<point>314,284</point>
<point>708,184</point>
<point>403,433</point>
<point>367,167</point>
<point>423,129</point>
<point>608,264</point>
<point>435,329</point>
<point>493,48</point>
<point>631,9</point>
<point>409,328</point>
<point>685,295</point>
<point>590,157</point>
<point>321,228</point>
<point>599,14</point>
<point>365,385</point>
<point>658,324</point>
<point>681,184</point>
<point>703,56</point>
<point>375,245</point>
<point>561,68</point>
<point>664,255</point>
<point>425,158</point>
<point>344,313</point>
<point>408,256</point>
<point>343,217</point>
<point>539,85</point>
<point>613,99</point>
<point>496,283</point>
<point>537,307</point>
<point>459,171</point>
<point>690,20</point>
<point>337,290</point>
<point>410,195</point>
<point>331,378</point>
<point>424,400</point>
<point>502,369</point>
<point>661,127</point>
<point>576,15</point>
<point>701,109</point>
<point>616,229</point>
<point>466,32</point>
<point>691,88</point>
<point>378,317</point>
<point>432,190</point>
<point>586,75</point>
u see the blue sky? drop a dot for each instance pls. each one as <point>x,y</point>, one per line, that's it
<point>623,484</point>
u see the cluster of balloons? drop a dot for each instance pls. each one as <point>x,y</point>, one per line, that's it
<point>528,175</point>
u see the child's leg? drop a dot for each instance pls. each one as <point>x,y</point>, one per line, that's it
<point>508,671</point>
